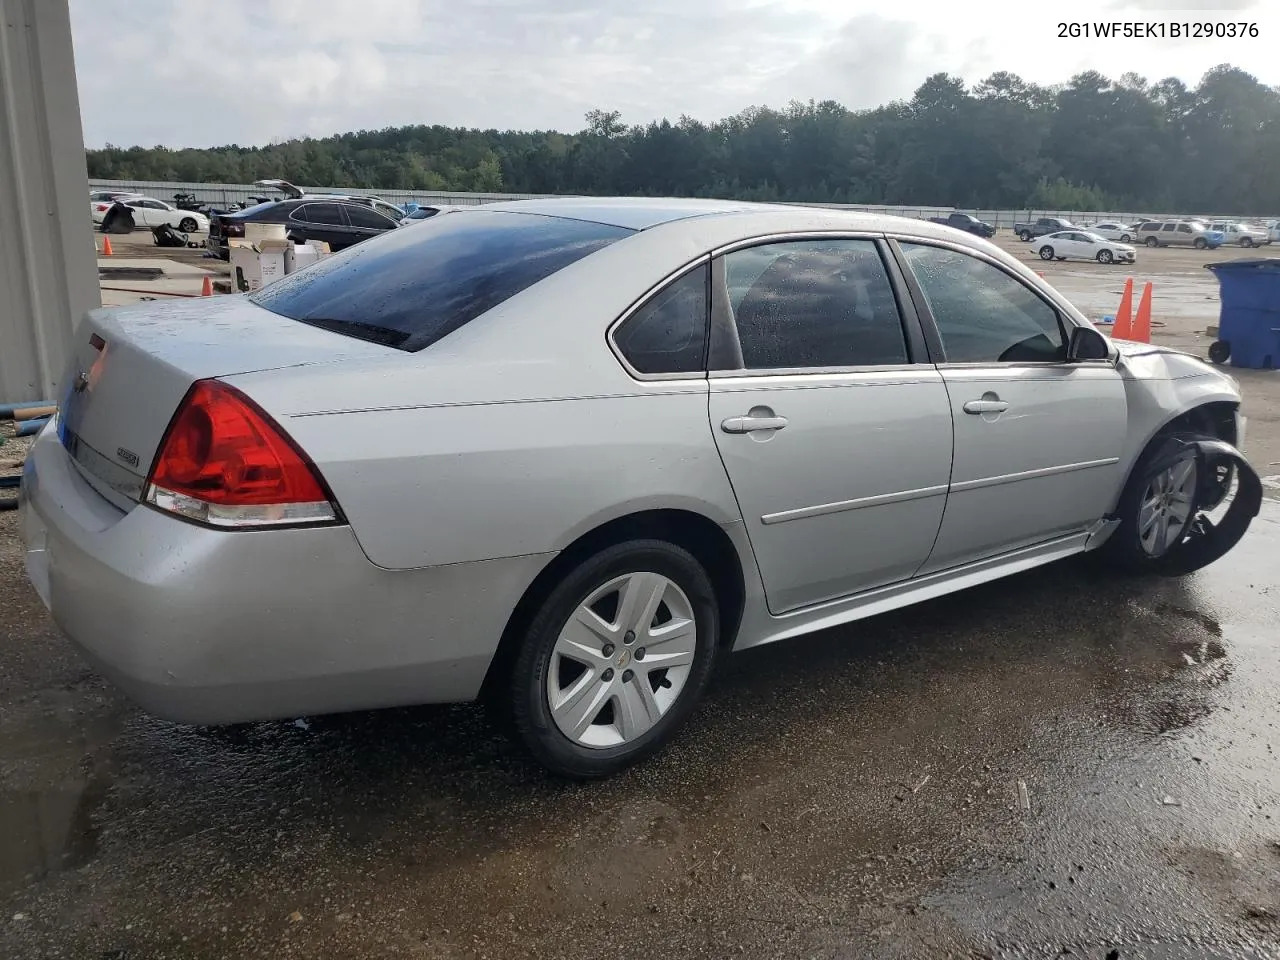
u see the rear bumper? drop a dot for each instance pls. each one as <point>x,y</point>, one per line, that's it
<point>208,626</point>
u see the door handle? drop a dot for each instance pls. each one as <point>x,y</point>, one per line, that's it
<point>986,406</point>
<point>750,424</point>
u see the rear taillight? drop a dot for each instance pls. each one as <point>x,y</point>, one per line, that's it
<point>233,229</point>
<point>102,206</point>
<point>224,462</point>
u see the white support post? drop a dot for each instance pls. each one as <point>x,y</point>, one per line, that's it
<point>48,265</point>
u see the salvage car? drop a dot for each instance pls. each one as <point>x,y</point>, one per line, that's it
<point>1243,234</point>
<point>966,222</point>
<point>150,212</point>
<point>338,221</point>
<point>1114,231</point>
<point>564,455</point>
<point>1084,245</point>
<point>1179,233</point>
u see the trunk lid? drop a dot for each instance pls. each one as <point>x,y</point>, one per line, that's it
<point>131,367</point>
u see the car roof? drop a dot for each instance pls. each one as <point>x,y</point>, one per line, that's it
<point>631,213</point>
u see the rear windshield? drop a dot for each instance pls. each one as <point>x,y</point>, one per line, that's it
<point>412,286</point>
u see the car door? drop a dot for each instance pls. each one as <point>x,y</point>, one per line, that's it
<point>142,215</point>
<point>367,222</point>
<point>1063,244</point>
<point>161,212</point>
<point>321,220</point>
<point>1084,246</point>
<point>157,213</point>
<point>1037,439</point>
<point>1067,244</point>
<point>834,428</point>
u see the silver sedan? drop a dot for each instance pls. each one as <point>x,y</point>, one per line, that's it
<point>565,454</point>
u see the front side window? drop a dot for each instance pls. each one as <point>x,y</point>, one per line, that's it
<point>408,288</point>
<point>983,314</point>
<point>814,303</point>
<point>668,334</point>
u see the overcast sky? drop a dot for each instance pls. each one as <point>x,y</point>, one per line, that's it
<point>193,73</point>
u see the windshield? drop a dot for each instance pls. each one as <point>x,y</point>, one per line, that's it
<point>407,289</point>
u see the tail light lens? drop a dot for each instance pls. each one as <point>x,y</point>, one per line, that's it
<point>103,206</point>
<point>224,462</point>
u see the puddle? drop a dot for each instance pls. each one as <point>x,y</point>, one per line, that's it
<point>45,831</point>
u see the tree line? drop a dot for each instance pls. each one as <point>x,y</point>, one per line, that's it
<point>1005,143</point>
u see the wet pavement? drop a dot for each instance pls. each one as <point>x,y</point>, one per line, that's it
<point>1057,764</point>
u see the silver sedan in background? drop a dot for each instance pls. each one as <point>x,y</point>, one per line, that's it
<point>565,454</point>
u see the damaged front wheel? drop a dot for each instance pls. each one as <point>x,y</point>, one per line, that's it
<point>1165,527</point>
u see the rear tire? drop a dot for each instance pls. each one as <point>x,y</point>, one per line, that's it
<point>588,701</point>
<point>1220,351</point>
<point>1025,236</point>
<point>1157,505</point>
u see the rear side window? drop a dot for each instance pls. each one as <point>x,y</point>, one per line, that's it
<point>813,304</point>
<point>409,288</point>
<point>668,334</point>
<point>365,217</point>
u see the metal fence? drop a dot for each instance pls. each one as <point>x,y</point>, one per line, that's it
<point>221,194</point>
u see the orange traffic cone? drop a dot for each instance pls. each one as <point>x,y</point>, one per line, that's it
<point>206,288</point>
<point>1123,328</point>
<point>1142,322</point>
<point>106,246</point>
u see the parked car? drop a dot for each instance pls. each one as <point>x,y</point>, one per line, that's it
<point>1084,245</point>
<point>150,212</point>
<point>1179,233</point>
<point>1242,234</point>
<point>384,207</point>
<point>1111,230</point>
<point>1029,231</point>
<point>1273,231</point>
<point>423,212</point>
<point>968,223</point>
<point>559,453</point>
<point>341,223</point>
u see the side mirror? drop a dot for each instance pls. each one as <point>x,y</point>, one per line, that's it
<point>1087,344</point>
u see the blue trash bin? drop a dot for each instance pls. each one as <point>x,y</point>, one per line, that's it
<point>1249,319</point>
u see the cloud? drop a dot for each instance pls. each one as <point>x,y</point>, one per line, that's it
<point>252,71</point>
<point>869,61</point>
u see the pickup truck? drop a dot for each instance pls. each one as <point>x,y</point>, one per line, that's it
<point>1027,231</point>
<point>966,222</point>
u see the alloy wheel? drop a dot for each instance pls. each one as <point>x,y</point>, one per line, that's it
<point>1165,509</point>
